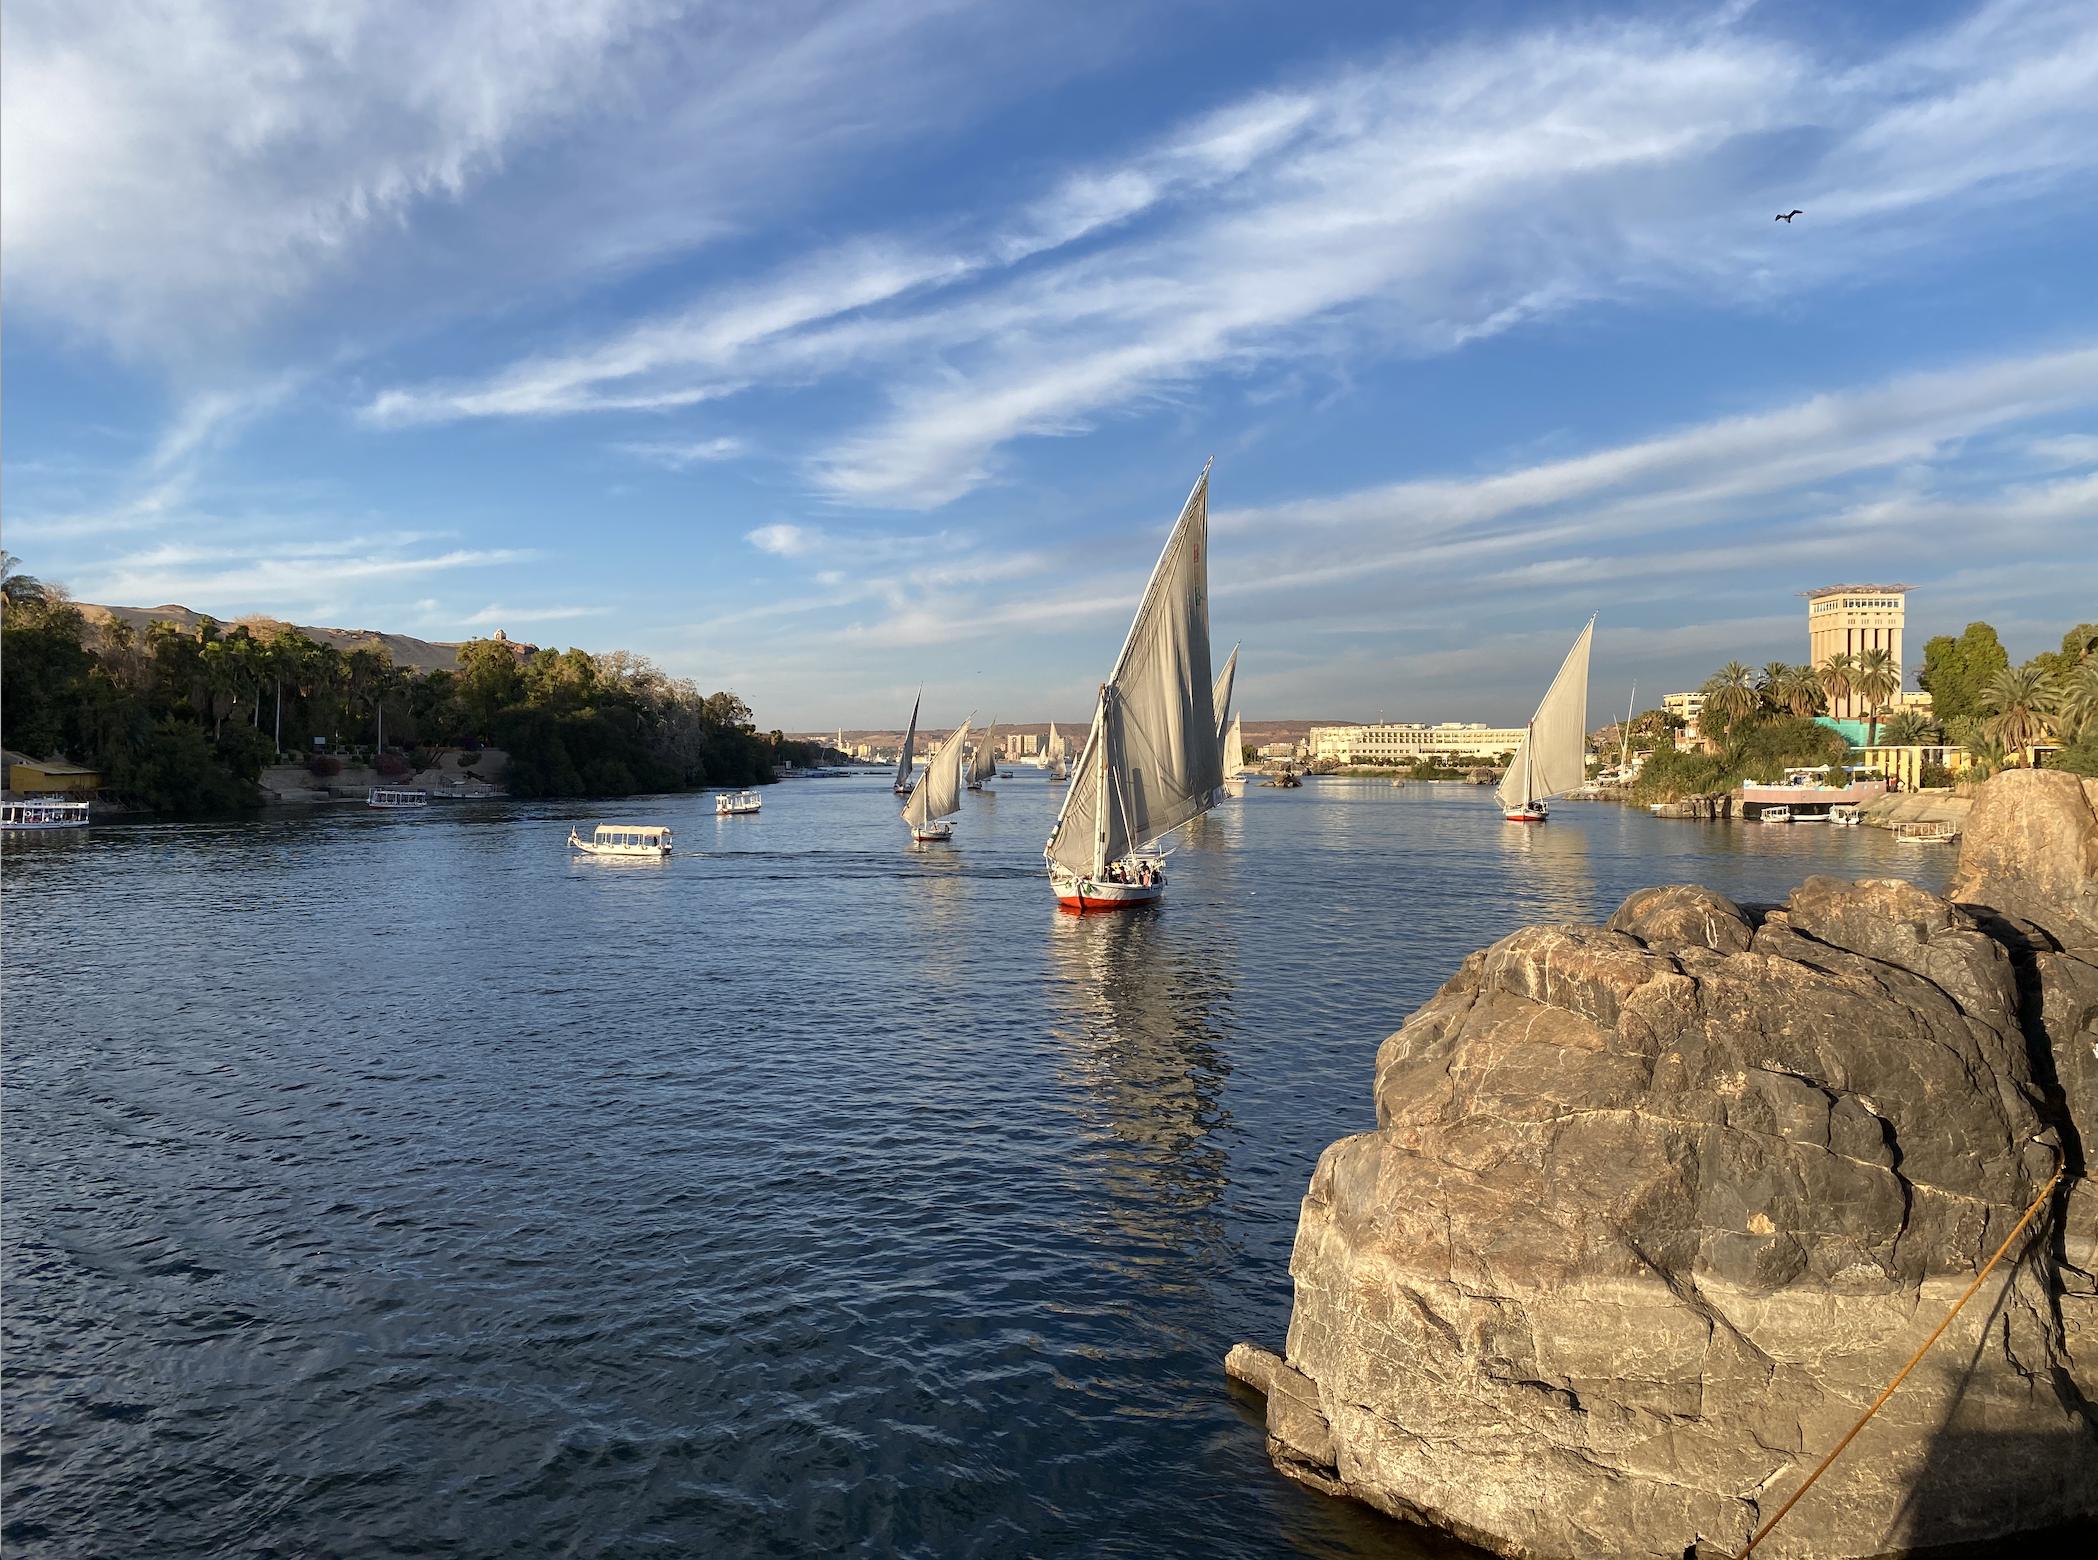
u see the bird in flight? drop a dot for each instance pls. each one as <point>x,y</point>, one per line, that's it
<point>1787,216</point>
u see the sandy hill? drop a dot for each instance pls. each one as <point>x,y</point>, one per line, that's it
<point>422,655</point>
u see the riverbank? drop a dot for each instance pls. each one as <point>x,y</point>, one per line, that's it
<point>1917,807</point>
<point>468,774</point>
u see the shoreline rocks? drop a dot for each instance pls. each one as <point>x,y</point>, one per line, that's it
<point>1654,1209</point>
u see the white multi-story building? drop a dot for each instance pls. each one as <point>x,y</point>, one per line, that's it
<point>1402,744</point>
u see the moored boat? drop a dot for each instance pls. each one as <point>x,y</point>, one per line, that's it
<point>734,804</point>
<point>938,795</point>
<point>40,813</point>
<point>1552,756</point>
<point>1151,759</point>
<point>1774,814</point>
<point>389,799</point>
<point>623,839</point>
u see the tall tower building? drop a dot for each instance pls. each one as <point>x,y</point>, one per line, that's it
<point>1849,620</point>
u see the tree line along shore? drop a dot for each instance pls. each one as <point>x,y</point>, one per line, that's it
<point>184,718</point>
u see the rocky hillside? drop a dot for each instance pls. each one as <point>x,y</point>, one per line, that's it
<point>1654,1209</point>
<point>421,655</point>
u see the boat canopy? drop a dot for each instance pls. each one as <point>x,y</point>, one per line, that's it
<point>1151,761</point>
<point>644,831</point>
<point>1553,754</point>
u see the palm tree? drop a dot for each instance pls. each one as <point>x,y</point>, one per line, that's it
<point>1835,677</point>
<point>1801,693</point>
<point>1730,692</point>
<point>1770,684</point>
<point>1875,678</point>
<point>2076,701</point>
<point>2018,699</point>
<point>16,588</point>
<point>1907,728</point>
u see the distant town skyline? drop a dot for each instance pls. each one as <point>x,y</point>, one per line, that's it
<point>823,351</point>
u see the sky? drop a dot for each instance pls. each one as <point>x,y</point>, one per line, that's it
<point>822,351</point>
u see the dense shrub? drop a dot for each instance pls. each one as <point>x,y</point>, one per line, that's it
<point>324,766</point>
<point>390,765</point>
<point>469,758</point>
<point>173,768</point>
<point>1934,777</point>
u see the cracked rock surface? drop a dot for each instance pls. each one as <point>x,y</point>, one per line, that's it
<point>1654,1210</point>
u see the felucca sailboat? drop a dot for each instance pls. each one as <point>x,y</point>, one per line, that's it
<point>1150,761</point>
<point>1059,772</point>
<point>1227,723</point>
<point>910,750</point>
<point>1552,756</point>
<point>984,764</point>
<point>939,792</point>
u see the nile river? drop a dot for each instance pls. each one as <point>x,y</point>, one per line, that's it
<point>398,1185</point>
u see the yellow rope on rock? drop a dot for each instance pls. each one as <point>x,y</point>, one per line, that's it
<point>2018,1229</point>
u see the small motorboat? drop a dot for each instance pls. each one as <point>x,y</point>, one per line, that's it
<point>623,839</point>
<point>1778,813</point>
<point>387,799</point>
<point>734,804</point>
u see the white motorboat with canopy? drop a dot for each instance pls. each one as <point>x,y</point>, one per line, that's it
<point>1553,754</point>
<point>983,764</point>
<point>1151,758</point>
<point>910,749</point>
<point>938,795</point>
<point>649,840</point>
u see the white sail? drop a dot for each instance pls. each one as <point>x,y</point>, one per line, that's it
<point>910,743</point>
<point>984,765</point>
<point>1234,754</point>
<point>1056,753</point>
<point>940,788</point>
<point>1220,699</point>
<point>1151,760</point>
<point>1552,756</point>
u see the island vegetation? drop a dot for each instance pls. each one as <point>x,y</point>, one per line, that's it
<point>185,718</point>
<point>1757,724</point>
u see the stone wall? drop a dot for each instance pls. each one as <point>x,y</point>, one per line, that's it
<point>1653,1210</point>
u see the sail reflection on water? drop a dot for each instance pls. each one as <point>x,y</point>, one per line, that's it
<point>1142,1025</point>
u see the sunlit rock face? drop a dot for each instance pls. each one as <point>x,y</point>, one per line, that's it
<point>1654,1210</point>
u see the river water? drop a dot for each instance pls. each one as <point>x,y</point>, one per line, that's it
<point>398,1185</point>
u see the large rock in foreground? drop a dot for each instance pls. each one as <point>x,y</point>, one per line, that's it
<point>1654,1210</point>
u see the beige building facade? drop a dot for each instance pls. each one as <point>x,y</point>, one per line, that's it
<point>1849,620</point>
<point>1402,744</point>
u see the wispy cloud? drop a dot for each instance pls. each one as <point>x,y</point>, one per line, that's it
<point>496,616</point>
<point>678,454</point>
<point>1413,204</point>
<point>292,577</point>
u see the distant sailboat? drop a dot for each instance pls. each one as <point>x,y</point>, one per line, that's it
<point>1552,756</point>
<point>984,765</point>
<point>1233,758</point>
<point>939,792</point>
<point>910,749</point>
<point>1150,760</point>
<point>1220,700</point>
<point>1053,756</point>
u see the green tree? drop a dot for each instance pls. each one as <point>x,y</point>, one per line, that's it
<point>2076,702</point>
<point>1836,676</point>
<point>1770,684</point>
<point>1875,679</point>
<point>488,682</point>
<point>43,662</point>
<point>1908,728</point>
<point>1800,692</point>
<point>1730,693</point>
<point>16,588</point>
<point>1955,671</point>
<point>2018,700</point>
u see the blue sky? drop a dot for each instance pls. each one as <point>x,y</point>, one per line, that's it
<point>821,350</point>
